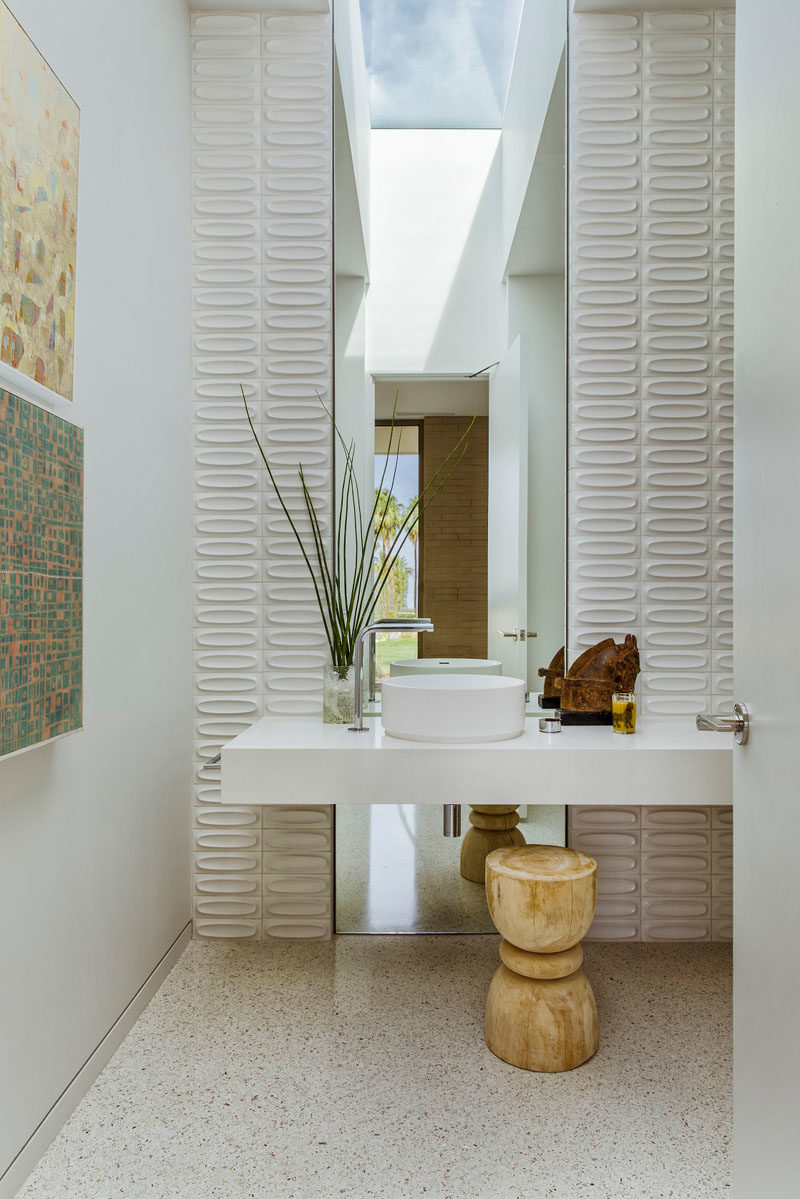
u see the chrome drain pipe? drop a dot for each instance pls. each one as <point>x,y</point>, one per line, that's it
<point>451,819</point>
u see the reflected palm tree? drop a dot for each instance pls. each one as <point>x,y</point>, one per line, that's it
<point>387,521</point>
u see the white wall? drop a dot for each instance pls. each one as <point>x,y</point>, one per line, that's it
<point>435,303</point>
<point>540,46</point>
<point>538,244</point>
<point>536,310</point>
<point>94,862</point>
<point>766,771</point>
<point>353,404</point>
<point>353,399</point>
<point>352,134</point>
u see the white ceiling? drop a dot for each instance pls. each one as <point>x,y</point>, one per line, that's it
<point>417,398</point>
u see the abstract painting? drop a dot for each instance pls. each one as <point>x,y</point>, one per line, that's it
<point>41,574</point>
<point>39,123</point>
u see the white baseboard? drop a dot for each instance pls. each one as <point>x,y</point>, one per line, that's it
<point>18,1170</point>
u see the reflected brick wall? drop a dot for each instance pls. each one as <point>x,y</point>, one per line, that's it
<point>454,540</point>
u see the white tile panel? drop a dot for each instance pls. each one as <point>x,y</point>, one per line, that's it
<point>663,874</point>
<point>651,213</point>
<point>261,140</point>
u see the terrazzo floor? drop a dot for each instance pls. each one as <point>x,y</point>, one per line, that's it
<point>357,1067</point>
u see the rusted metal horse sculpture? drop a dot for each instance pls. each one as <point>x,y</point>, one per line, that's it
<point>584,692</point>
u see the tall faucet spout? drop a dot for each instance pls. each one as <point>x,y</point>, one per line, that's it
<point>411,624</point>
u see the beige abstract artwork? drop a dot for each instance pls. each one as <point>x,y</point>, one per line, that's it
<point>39,131</point>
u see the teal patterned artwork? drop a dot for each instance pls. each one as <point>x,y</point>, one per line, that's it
<point>41,574</point>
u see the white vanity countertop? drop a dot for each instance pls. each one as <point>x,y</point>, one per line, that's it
<point>302,761</point>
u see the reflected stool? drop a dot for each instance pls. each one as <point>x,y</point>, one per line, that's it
<point>540,1011</point>
<point>493,826</point>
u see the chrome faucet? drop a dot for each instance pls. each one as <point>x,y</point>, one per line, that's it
<point>410,624</point>
<point>373,671</point>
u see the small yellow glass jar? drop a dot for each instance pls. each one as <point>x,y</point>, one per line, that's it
<point>623,712</point>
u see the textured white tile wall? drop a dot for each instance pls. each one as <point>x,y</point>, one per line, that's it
<point>650,417</point>
<point>651,410</point>
<point>663,874</point>
<point>651,390</point>
<point>262,316</point>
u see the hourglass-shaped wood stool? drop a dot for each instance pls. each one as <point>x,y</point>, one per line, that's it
<point>540,1011</point>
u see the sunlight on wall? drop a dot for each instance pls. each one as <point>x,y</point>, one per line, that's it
<point>435,219</point>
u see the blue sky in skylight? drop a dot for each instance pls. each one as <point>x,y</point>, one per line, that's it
<point>439,64</point>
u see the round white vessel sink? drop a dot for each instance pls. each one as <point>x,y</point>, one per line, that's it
<point>418,666</point>
<point>453,707</point>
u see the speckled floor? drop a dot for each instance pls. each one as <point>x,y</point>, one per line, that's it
<point>358,1068</point>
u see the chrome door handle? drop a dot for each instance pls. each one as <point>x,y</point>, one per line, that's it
<point>513,635</point>
<point>738,724</point>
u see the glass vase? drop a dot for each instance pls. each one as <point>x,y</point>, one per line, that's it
<point>623,712</point>
<point>338,695</point>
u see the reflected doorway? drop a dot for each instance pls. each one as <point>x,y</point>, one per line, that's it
<point>397,473</point>
<point>442,571</point>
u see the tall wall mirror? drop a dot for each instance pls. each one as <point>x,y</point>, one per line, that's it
<point>449,250</point>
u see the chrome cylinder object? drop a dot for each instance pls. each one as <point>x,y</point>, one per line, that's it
<point>451,819</point>
<point>551,721</point>
<point>373,670</point>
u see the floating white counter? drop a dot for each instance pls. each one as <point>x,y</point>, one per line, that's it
<point>302,761</point>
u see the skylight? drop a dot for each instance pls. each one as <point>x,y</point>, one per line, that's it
<point>439,64</point>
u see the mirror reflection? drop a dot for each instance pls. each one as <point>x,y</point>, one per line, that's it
<point>396,873</point>
<point>442,569</point>
<point>449,244</point>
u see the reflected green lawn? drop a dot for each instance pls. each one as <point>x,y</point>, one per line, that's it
<point>392,649</point>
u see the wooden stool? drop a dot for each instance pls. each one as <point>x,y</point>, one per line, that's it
<point>494,826</point>
<point>540,1011</point>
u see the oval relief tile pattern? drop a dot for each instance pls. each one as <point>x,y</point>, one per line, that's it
<point>651,195</point>
<point>262,254</point>
<point>651,219</point>
<point>663,874</point>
